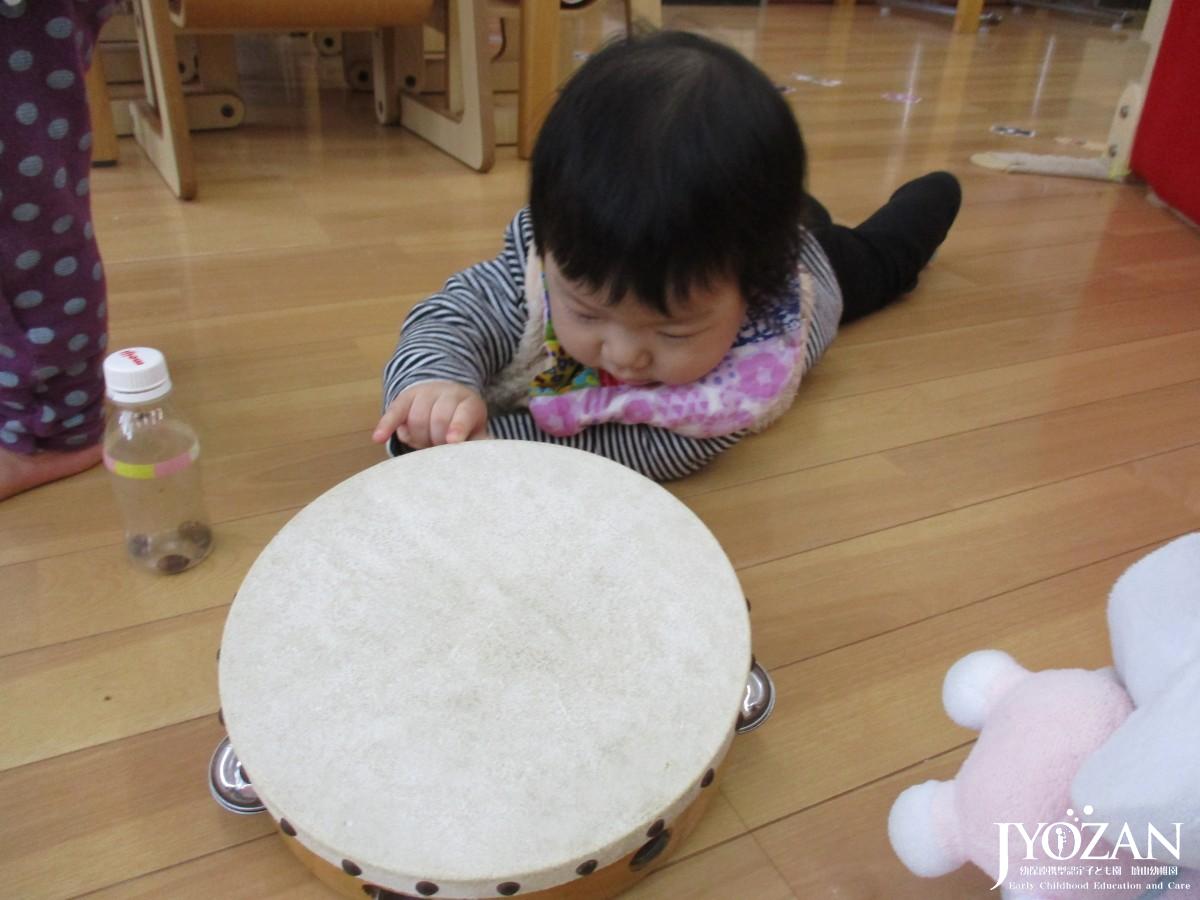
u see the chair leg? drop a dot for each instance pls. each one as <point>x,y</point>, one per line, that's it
<point>539,70</point>
<point>646,12</point>
<point>104,136</point>
<point>386,76</point>
<point>160,122</point>
<point>469,135</point>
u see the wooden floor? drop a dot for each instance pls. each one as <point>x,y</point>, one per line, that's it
<point>972,468</point>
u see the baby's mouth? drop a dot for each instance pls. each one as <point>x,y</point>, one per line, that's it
<point>608,379</point>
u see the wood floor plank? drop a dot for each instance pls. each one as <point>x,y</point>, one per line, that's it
<point>735,869</point>
<point>941,303</point>
<point>945,354</point>
<point>1175,475</point>
<point>91,819</point>
<point>258,868</point>
<point>41,598</point>
<point>1112,250</point>
<point>830,597</point>
<point>990,462</point>
<point>826,736</point>
<point>108,687</point>
<point>771,518</point>
<point>806,847</point>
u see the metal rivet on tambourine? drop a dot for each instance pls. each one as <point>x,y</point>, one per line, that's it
<point>708,778</point>
<point>507,889</point>
<point>656,828</point>
<point>286,827</point>
<point>351,868</point>
<point>650,851</point>
<point>586,868</point>
<point>426,888</point>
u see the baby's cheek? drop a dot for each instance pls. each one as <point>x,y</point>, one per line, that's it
<point>703,359</point>
<point>578,345</point>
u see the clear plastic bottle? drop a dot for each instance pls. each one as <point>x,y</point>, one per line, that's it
<point>152,456</point>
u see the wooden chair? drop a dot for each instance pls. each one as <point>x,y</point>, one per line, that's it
<point>540,77</point>
<point>531,66</point>
<point>465,129</point>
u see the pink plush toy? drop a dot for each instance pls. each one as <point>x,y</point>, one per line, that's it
<point>1036,729</point>
<point>1053,743</point>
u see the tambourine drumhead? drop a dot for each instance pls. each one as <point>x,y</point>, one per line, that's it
<point>484,663</point>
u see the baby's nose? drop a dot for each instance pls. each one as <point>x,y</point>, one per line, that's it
<point>627,355</point>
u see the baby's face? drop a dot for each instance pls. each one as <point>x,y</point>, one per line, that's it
<point>635,344</point>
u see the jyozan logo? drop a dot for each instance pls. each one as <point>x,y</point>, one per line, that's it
<point>1062,841</point>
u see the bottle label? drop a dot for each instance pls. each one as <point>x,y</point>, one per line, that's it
<point>143,471</point>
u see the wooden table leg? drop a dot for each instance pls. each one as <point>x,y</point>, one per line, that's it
<point>538,68</point>
<point>966,15</point>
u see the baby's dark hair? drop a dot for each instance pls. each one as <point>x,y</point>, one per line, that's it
<point>669,159</point>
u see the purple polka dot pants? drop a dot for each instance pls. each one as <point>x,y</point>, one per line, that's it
<point>52,292</point>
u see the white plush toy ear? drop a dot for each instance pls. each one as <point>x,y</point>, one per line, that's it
<point>923,829</point>
<point>976,682</point>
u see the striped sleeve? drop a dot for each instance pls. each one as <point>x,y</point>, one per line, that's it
<point>827,310</point>
<point>467,332</point>
<point>654,452</point>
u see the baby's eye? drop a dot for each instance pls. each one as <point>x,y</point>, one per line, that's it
<point>586,317</point>
<point>674,337</point>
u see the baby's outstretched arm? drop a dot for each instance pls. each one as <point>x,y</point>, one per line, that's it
<point>452,345</point>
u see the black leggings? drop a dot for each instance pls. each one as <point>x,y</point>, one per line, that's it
<point>879,260</point>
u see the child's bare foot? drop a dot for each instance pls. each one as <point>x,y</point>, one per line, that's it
<point>20,472</point>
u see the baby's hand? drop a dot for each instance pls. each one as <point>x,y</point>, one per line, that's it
<point>432,413</point>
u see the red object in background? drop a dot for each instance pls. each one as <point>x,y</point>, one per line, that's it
<point>1166,148</point>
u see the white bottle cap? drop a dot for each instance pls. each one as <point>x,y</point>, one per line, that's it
<point>136,375</point>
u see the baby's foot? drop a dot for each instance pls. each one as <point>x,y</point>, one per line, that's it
<point>20,472</point>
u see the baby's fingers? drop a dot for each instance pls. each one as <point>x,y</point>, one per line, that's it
<point>442,416</point>
<point>469,419</point>
<point>393,418</point>
<point>418,426</point>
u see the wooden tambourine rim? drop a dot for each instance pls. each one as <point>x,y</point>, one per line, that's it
<point>597,884</point>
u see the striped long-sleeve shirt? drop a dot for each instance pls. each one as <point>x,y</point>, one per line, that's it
<point>477,332</point>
